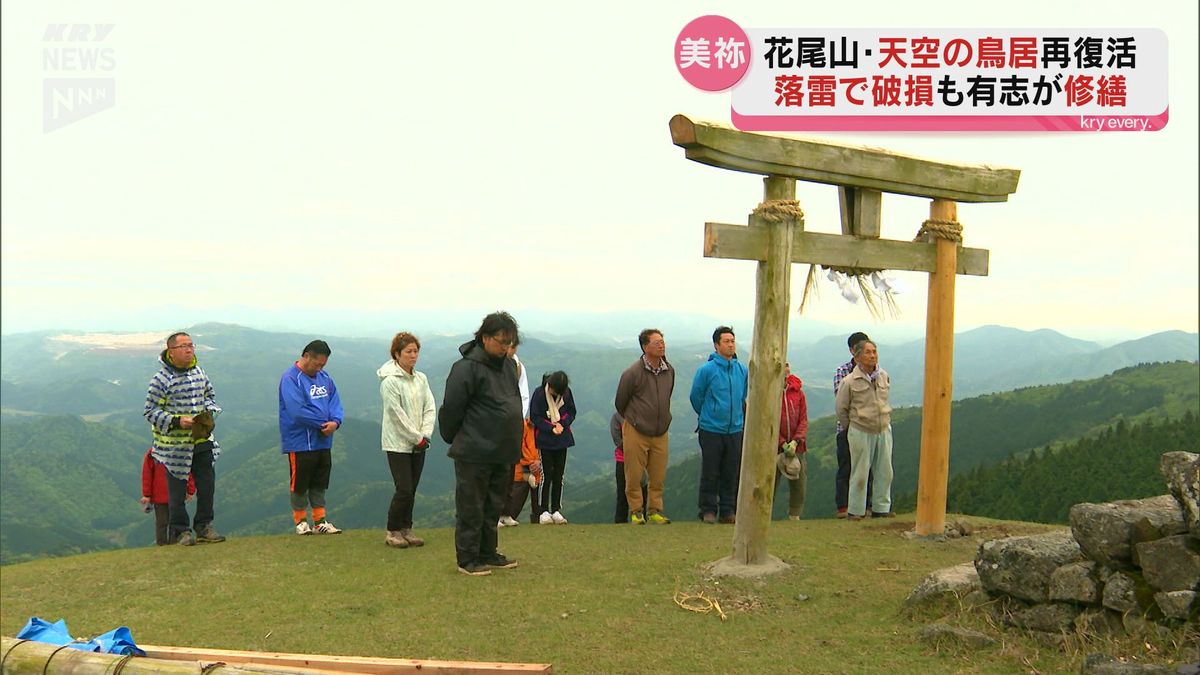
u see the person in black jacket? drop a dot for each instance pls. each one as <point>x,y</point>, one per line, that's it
<point>481,419</point>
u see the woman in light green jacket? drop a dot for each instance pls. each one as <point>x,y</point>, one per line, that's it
<point>408,418</point>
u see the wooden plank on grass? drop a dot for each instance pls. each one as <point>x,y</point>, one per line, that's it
<point>345,664</point>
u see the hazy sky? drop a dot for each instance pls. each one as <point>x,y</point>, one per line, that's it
<point>381,157</point>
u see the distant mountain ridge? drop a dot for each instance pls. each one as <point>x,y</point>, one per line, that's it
<point>49,462</point>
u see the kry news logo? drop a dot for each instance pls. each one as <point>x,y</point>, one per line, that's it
<point>74,55</point>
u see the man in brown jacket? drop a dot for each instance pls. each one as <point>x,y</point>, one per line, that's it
<point>644,400</point>
<point>863,409</point>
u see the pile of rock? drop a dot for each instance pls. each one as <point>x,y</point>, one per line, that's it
<point>1123,566</point>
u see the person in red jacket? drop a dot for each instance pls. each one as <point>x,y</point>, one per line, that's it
<point>154,491</point>
<point>792,446</point>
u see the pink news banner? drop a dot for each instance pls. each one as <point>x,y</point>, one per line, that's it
<point>943,79</point>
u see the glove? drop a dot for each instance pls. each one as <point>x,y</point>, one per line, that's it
<point>202,426</point>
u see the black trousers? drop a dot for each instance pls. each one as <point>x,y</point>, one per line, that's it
<point>205,478</point>
<point>479,494</point>
<point>406,474</point>
<point>554,463</point>
<point>621,515</point>
<point>841,491</point>
<point>516,501</point>
<point>162,520</point>
<point>720,465</point>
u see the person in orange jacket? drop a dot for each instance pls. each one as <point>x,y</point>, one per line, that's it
<point>527,478</point>
<point>154,493</point>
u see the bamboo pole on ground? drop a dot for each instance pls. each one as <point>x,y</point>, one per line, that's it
<point>769,351</point>
<point>42,657</point>
<point>38,657</point>
<point>939,379</point>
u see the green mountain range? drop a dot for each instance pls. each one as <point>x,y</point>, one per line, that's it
<point>71,485</point>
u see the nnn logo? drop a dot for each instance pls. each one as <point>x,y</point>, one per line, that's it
<point>78,63</point>
<point>67,100</point>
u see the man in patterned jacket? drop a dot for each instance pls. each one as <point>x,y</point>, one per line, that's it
<point>180,407</point>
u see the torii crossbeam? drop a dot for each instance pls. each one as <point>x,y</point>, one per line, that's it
<point>776,238</point>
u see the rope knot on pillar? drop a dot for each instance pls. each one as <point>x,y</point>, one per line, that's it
<point>941,229</point>
<point>779,210</point>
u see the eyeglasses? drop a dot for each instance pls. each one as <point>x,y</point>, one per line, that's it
<point>185,346</point>
<point>658,343</point>
<point>502,343</point>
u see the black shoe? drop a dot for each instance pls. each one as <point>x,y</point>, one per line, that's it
<point>886,514</point>
<point>475,569</point>
<point>500,562</point>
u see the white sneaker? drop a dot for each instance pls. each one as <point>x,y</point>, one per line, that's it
<point>501,523</point>
<point>326,527</point>
<point>303,527</point>
<point>558,518</point>
<point>545,518</point>
<point>509,521</point>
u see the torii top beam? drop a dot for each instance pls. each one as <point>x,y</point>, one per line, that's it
<point>844,165</point>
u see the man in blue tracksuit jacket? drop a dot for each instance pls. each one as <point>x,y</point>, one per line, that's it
<point>310,410</point>
<point>719,399</point>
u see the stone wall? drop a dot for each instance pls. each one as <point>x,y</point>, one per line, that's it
<point>1122,566</point>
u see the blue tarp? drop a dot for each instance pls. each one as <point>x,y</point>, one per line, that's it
<point>116,641</point>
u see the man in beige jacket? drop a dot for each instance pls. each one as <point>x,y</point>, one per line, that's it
<point>863,409</point>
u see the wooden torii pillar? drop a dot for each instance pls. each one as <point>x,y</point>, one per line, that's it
<point>775,238</point>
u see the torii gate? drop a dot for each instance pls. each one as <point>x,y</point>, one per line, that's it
<point>776,238</point>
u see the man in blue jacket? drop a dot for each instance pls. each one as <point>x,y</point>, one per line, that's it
<point>719,399</point>
<point>310,410</point>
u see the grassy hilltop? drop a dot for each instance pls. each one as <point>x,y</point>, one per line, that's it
<point>586,598</point>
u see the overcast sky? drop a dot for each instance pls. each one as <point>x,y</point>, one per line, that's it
<point>384,157</point>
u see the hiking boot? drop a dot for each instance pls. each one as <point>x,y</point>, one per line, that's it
<point>407,534</point>
<point>326,527</point>
<point>209,535</point>
<point>853,518</point>
<point>475,569</point>
<point>841,513</point>
<point>708,518</point>
<point>186,538</point>
<point>303,527</point>
<point>728,520</point>
<point>395,539</point>
<point>793,517</point>
<point>500,562</point>
<point>658,519</point>
<point>558,518</point>
<point>545,518</point>
<point>637,519</point>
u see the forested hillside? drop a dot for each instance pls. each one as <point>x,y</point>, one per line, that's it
<point>984,430</point>
<point>72,486</point>
<point>1120,462</point>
